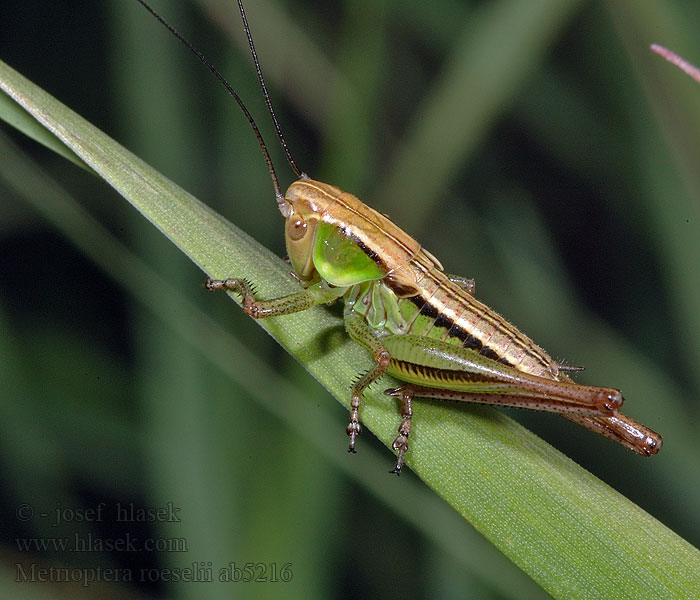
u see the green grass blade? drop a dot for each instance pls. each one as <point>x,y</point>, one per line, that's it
<point>569,531</point>
<point>12,113</point>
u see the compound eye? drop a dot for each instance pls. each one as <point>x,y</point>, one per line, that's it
<point>296,228</point>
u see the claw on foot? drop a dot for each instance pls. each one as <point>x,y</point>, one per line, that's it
<point>400,445</point>
<point>353,430</point>
<point>212,284</point>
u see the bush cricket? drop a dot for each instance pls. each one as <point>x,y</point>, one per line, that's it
<point>422,326</point>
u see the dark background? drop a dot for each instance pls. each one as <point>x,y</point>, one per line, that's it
<point>545,152</point>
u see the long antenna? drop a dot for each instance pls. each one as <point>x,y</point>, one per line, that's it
<point>281,202</point>
<point>261,79</point>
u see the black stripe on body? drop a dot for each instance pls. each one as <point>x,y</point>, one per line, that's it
<point>489,353</point>
<point>429,310</point>
<point>443,322</point>
<point>367,250</point>
<point>468,340</point>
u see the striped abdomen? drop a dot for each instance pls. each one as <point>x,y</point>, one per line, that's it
<point>443,310</point>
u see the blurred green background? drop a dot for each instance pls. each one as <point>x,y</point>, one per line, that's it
<point>537,146</point>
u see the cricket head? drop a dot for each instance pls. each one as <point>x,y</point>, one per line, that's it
<point>304,204</point>
<point>322,236</point>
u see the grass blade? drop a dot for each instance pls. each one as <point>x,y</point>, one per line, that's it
<point>569,531</point>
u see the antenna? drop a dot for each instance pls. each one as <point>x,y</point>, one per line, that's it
<point>282,203</point>
<point>261,79</point>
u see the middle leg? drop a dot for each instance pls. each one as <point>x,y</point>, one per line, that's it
<point>360,331</point>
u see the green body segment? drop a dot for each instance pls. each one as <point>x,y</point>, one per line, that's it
<point>340,261</point>
<point>420,318</point>
<point>436,364</point>
<point>425,361</point>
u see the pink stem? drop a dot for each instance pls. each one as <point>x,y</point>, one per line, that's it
<point>681,63</point>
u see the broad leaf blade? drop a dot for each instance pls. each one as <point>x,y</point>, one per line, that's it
<point>569,531</point>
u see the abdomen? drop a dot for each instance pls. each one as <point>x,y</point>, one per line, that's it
<point>445,311</point>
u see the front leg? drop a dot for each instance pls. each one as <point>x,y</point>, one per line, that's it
<point>318,293</point>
